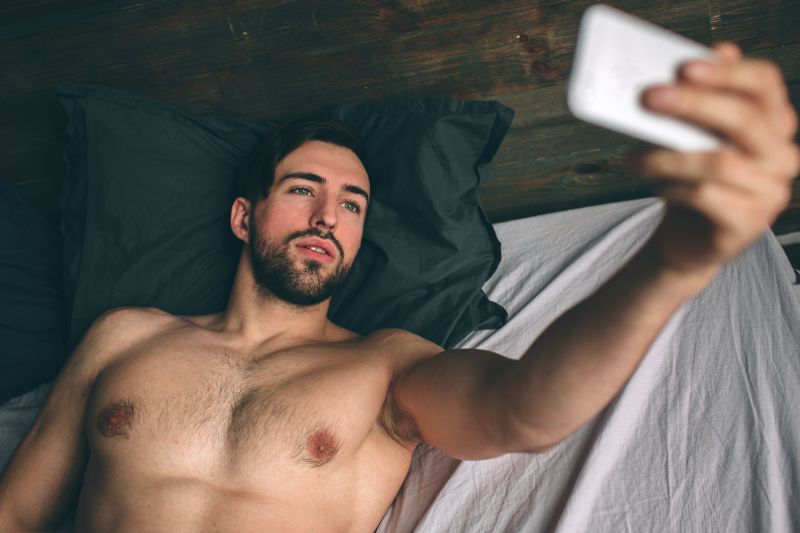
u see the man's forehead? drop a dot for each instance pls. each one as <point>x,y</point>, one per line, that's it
<point>331,162</point>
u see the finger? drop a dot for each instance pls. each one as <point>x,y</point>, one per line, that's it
<point>701,200</point>
<point>793,161</point>
<point>725,166</point>
<point>761,80</point>
<point>734,117</point>
<point>728,209</point>
<point>728,51</point>
<point>726,163</point>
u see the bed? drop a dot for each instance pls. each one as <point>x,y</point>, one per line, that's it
<point>703,437</point>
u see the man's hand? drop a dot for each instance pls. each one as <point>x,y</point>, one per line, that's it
<point>720,201</point>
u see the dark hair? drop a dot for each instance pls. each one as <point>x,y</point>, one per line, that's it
<point>258,171</point>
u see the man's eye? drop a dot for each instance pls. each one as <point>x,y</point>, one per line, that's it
<point>351,206</point>
<point>301,190</point>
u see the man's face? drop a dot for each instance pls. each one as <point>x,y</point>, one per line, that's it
<point>305,235</point>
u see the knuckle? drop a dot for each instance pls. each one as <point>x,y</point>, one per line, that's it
<point>785,197</point>
<point>793,161</point>
<point>745,116</point>
<point>654,163</point>
<point>766,215</point>
<point>789,121</point>
<point>771,211</point>
<point>688,99</point>
<point>703,194</point>
<point>780,195</point>
<point>786,162</point>
<point>681,159</point>
<point>769,72</point>
<point>775,200</point>
<point>755,208</point>
<point>723,163</point>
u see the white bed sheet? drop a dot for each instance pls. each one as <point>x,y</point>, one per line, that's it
<point>705,436</point>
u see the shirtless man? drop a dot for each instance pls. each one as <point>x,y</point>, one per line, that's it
<point>268,417</point>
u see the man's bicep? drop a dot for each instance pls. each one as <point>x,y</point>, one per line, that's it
<point>450,401</point>
<point>43,475</point>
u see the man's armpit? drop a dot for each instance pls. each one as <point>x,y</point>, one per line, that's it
<point>399,426</point>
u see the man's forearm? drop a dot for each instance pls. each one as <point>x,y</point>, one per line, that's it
<point>583,359</point>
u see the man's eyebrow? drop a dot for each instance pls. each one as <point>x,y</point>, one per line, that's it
<point>310,176</point>
<point>303,176</point>
<point>357,190</point>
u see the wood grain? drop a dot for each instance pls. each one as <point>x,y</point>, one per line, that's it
<point>256,60</point>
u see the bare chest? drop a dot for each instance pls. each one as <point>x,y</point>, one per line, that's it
<point>189,410</point>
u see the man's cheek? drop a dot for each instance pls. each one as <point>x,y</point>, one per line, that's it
<point>279,224</point>
<point>352,250</point>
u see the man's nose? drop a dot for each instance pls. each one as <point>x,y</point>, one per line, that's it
<point>324,215</point>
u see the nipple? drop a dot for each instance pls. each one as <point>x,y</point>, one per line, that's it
<point>322,447</point>
<point>115,419</point>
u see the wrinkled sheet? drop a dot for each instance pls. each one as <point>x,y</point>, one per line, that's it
<point>704,437</point>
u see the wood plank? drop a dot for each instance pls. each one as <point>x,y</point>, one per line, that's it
<point>222,52</point>
<point>552,161</point>
<point>254,61</point>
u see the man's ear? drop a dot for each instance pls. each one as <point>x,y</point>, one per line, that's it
<point>240,219</point>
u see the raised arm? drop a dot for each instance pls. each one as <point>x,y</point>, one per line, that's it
<point>474,405</point>
<point>43,477</point>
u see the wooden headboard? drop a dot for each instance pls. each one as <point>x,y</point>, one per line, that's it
<point>255,59</point>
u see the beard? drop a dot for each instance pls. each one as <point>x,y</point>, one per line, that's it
<point>277,274</point>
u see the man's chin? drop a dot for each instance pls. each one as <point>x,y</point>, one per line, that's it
<point>305,296</point>
<point>303,299</point>
<point>307,289</point>
<point>296,279</point>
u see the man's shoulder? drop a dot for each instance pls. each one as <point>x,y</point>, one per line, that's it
<point>401,337</point>
<point>130,320</point>
<point>119,328</point>
<point>131,311</point>
<point>110,336</point>
<point>403,347</point>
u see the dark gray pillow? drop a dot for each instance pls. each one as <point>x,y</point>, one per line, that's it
<point>32,316</point>
<point>147,200</point>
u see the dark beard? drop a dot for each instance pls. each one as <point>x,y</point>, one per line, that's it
<point>275,272</point>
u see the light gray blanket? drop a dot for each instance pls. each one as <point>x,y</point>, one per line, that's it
<point>705,436</point>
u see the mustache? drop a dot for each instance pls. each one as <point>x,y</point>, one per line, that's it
<point>316,232</point>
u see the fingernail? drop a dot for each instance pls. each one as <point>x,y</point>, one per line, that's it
<point>699,70</point>
<point>661,96</point>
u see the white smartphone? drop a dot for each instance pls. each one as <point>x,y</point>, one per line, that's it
<point>617,56</point>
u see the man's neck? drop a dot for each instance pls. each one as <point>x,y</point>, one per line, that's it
<point>255,317</point>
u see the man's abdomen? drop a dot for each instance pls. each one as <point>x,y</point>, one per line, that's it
<point>176,505</point>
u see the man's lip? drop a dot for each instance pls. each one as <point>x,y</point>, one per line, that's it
<point>319,243</point>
